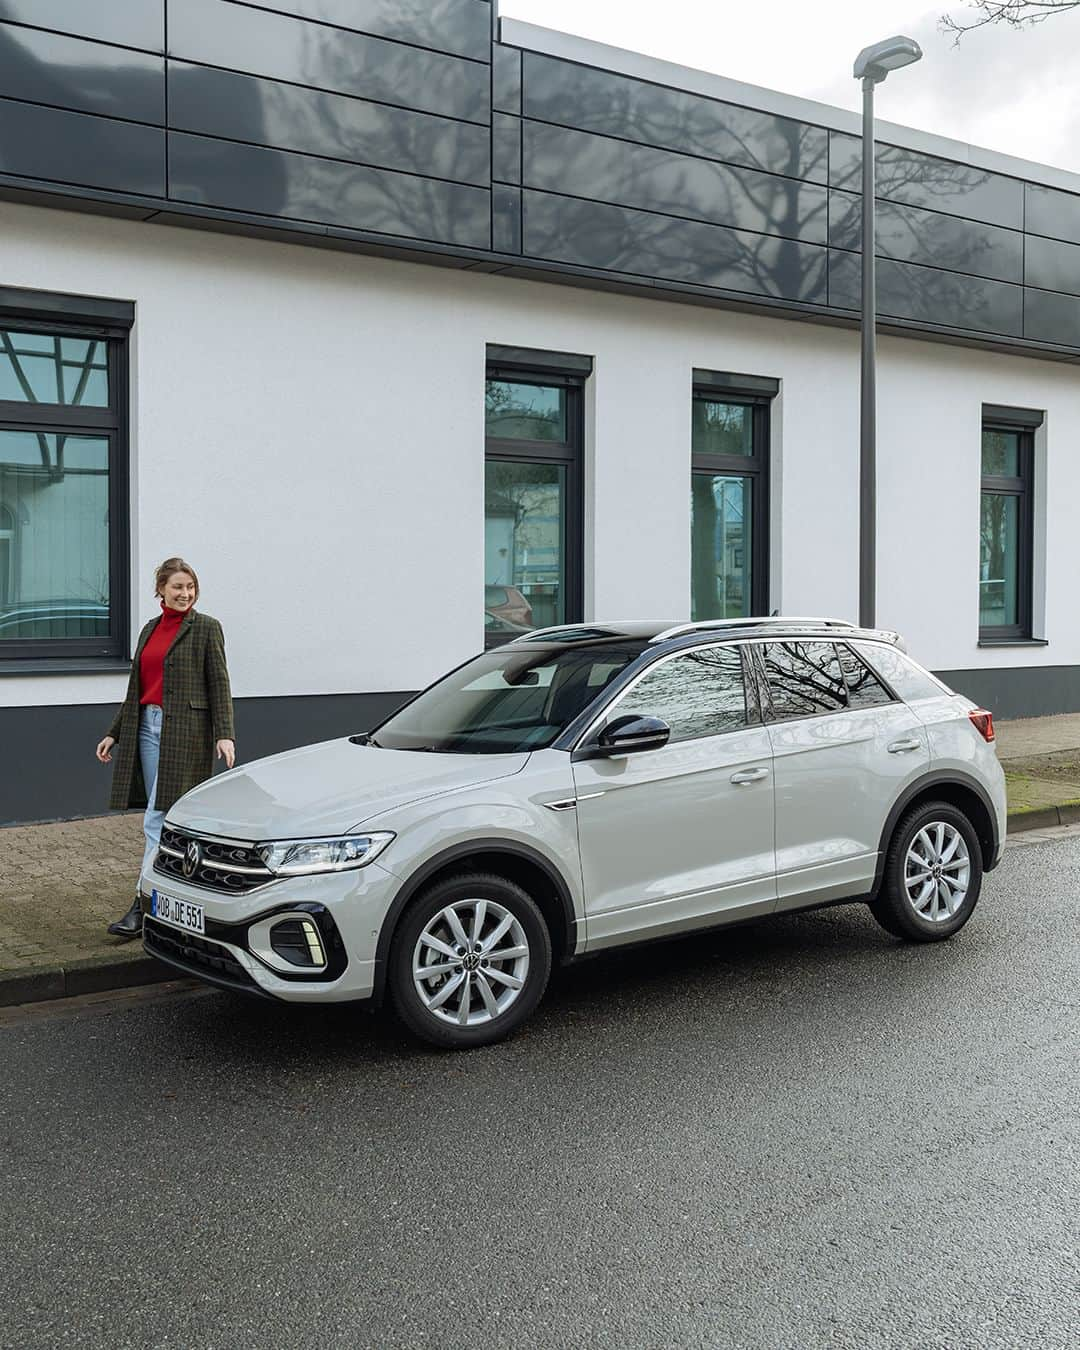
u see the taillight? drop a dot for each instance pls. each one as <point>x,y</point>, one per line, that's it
<point>983,723</point>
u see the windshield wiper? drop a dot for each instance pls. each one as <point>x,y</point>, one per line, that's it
<point>365,738</point>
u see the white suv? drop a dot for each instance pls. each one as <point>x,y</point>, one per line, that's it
<point>577,789</point>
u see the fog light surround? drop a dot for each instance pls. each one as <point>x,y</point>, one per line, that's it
<point>290,942</point>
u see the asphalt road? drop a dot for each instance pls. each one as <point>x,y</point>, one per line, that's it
<point>798,1134</point>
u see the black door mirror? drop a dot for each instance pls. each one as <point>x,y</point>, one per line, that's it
<point>625,735</point>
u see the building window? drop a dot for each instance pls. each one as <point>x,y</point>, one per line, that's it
<point>532,496</point>
<point>1005,526</point>
<point>63,468</point>
<point>728,496</point>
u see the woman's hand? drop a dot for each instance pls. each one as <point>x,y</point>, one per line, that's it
<point>104,749</point>
<point>226,750</point>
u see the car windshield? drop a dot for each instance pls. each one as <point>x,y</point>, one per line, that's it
<point>508,700</point>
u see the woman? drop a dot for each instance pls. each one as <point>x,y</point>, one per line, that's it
<point>177,711</point>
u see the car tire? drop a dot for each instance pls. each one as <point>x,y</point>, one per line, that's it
<point>932,877</point>
<point>469,961</point>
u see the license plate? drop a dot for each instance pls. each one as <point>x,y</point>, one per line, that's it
<point>180,913</point>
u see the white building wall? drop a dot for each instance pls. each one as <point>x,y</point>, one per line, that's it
<point>308,430</point>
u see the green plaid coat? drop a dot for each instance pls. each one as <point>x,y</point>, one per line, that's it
<point>197,712</point>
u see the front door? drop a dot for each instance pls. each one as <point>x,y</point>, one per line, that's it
<point>673,838</point>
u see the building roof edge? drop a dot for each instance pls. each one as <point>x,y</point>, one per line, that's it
<point>532,37</point>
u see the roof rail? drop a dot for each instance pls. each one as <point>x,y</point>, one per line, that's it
<point>774,620</point>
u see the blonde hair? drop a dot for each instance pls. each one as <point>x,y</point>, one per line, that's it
<point>168,567</point>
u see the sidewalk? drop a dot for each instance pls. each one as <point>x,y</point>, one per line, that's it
<point>61,884</point>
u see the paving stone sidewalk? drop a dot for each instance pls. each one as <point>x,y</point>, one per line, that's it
<point>62,883</point>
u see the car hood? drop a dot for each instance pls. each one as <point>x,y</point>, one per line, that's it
<point>327,789</point>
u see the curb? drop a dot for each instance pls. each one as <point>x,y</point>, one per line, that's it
<point>89,975</point>
<point>1043,818</point>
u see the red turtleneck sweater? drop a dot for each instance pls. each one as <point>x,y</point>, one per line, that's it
<point>152,657</point>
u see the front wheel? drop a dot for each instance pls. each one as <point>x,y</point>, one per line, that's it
<point>933,874</point>
<point>470,961</point>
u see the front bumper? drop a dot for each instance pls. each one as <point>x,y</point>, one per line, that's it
<point>347,909</point>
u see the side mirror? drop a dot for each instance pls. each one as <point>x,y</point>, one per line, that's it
<point>625,736</point>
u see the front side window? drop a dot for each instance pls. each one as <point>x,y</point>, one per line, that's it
<point>1005,532</point>
<point>803,679</point>
<point>697,694</point>
<point>727,507</point>
<point>532,503</point>
<point>62,554</point>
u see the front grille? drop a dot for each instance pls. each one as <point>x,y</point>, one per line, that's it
<point>195,954</point>
<point>231,868</point>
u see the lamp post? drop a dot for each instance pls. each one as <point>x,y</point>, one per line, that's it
<point>871,66</point>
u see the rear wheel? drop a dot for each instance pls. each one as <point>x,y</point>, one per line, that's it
<point>933,875</point>
<point>470,961</point>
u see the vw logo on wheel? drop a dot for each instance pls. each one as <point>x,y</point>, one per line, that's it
<point>192,858</point>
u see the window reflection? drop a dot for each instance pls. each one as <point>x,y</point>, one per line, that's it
<point>44,368</point>
<point>699,694</point>
<point>864,688</point>
<point>524,555</point>
<point>531,412</point>
<point>54,535</point>
<point>721,526</point>
<point>804,679</point>
<point>999,559</point>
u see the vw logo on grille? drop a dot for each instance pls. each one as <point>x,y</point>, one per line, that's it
<point>192,858</point>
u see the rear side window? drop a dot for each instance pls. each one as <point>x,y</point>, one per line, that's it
<point>900,672</point>
<point>804,679</point>
<point>698,694</point>
<point>864,688</point>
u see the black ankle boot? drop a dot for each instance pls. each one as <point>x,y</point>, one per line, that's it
<point>130,926</point>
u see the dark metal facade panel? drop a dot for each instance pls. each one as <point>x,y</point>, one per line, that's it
<point>617,105</point>
<point>926,295</point>
<point>69,72</point>
<point>924,180</point>
<point>506,219</point>
<point>910,234</point>
<point>1052,318</point>
<point>1052,265</point>
<point>258,42</point>
<point>506,79</point>
<point>1050,212</point>
<point>134,23</point>
<point>581,164</point>
<point>288,117</point>
<point>329,192</point>
<point>69,147</point>
<point>505,148</point>
<point>461,27</point>
<point>638,243</point>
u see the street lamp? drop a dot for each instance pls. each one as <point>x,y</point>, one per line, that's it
<point>871,66</point>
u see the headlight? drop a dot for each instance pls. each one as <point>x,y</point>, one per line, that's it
<point>293,858</point>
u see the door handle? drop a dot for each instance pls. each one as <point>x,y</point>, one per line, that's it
<point>902,747</point>
<point>745,776</point>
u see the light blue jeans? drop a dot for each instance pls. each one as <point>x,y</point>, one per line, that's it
<point>149,750</point>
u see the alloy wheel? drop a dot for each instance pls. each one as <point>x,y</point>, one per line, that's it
<point>470,962</point>
<point>937,871</point>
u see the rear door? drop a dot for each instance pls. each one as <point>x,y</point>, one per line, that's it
<point>844,748</point>
<point>671,838</point>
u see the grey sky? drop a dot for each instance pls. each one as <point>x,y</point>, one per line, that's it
<point>1016,92</point>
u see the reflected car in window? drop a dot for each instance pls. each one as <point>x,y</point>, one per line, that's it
<point>54,619</point>
<point>578,789</point>
<point>507,602</point>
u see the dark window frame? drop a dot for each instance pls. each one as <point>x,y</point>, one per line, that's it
<point>1020,486</point>
<point>754,466</point>
<point>50,314</point>
<point>568,454</point>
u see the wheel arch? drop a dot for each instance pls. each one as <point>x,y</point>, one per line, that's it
<point>958,790</point>
<point>517,862</point>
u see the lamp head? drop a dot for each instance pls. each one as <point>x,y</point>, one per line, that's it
<point>874,63</point>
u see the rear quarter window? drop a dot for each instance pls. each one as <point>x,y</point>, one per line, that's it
<point>910,681</point>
